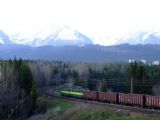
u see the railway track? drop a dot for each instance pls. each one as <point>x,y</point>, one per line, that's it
<point>118,107</point>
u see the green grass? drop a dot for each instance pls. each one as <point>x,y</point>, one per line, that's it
<point>54,108</point>
<point>60,107</point>
<point>106,115</point>
<point>45,102</point>
<point>64,105</point>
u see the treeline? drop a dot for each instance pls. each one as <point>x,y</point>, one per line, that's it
<point>17,90</point>
<point>116,77</point>
<point>19,81</point>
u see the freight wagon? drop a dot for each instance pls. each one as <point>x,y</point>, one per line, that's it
<point>107,97</point>
<point>152,101</point>
<point>131,99</point>
<point>91,95</point>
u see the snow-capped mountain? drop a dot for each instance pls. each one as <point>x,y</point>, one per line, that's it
<point>140,38</point>
<point>61,35</point>
<point>1,41</point>
<point>56,35</point>
<point>4,39</point>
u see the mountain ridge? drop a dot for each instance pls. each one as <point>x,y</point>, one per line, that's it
<point>66,44</point>
<point>4,38</point>
<point>62,35</point>
<point>87,53</point>
<point>54,36</point>
<point>140,38</point>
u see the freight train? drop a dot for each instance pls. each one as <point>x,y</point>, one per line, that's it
<point>145,101</point>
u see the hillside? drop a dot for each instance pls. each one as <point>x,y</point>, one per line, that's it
<point>74,110</point>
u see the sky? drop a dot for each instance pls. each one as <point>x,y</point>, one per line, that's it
<point>101,20</point>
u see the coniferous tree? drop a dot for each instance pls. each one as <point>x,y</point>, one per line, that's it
<point>140,78</point>
<point>25,78</point>
<point>34,93</point>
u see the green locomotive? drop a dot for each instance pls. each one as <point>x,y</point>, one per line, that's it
<point>72,92</point>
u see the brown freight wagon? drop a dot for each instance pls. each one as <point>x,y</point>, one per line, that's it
<point>131,99</point>
<point>91,95</point>
<point>107,97</point>
<point>153,101</point>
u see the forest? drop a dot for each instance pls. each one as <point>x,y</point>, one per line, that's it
<point>20,81</point>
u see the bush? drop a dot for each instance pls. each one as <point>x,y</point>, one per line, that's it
<point>43,103</point>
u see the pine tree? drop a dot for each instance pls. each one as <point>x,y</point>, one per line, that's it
<point>104,85</point>
<point>25,79</point>
<point>34,93</point>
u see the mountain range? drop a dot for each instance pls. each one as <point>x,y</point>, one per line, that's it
<point>62,43</point>
<point>4,38</point>
<point>88,53</point>
<point>135,38</point>
<point>52,36</point>
<point>61,35</point>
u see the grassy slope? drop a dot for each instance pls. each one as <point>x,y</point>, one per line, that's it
<point>65,110</point>
<point>55,108</point>
<point>106,115</point>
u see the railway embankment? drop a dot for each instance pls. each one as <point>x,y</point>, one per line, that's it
<point>62,108</point>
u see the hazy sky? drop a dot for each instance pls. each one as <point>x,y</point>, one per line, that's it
<point>102,20</point>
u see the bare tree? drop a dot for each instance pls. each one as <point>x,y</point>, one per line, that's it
<point>14,101</point>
